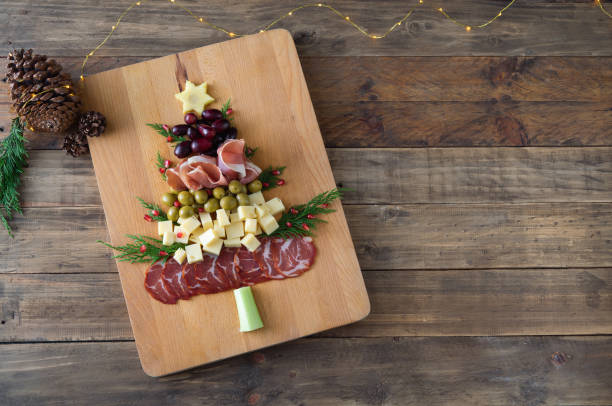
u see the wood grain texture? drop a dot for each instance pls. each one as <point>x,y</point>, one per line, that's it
<point>264,71</point>
<point>81,307</point>
<point>484,371</point>
<point>413,236</point>
<point>528,28</point>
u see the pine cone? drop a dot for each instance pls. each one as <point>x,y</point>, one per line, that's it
<point>76,144</point>
<point>92,124</point>
<point>54,108</point>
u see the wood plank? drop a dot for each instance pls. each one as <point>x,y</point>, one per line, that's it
<point>415,236</point>
<point>81,307</point>
<point>446,175</point>
<point>561,28</point>
<point>393,371</point>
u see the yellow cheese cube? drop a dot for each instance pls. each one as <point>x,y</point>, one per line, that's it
<point>182,235</point>
<point>234,217</point>
<point>195,235</point>
<point>258,230</point>
<point>214,247</point>
<point>261,210</point>
<point>250,226</point>
<point>234,242</point>
<point>164,226</point>
<point>268,224</point>
<point>206,220</point>
<point>169,238</point>
<point>234,230</point>
<point>208,237</point>
<point>275,206</point>
<point>222,218</point>
<point>179,255</point>
<point>247,212</point>
<point>257,198</point>
<point>218,229</point>
<point>194,253</point>
<point>190,224</point>
<point>250,242</point>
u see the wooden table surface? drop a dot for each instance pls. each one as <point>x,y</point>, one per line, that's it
<point>481,210</point>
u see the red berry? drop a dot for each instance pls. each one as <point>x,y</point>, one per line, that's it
<point>281,182</point>
<point>155,213</point>
<point>294,211</point>
<point>200,209</point>
<point>229,111</point>
<point>276,172</point>
<point>147,217</point>
<point>249,151</point>
<point>166,127</point>
<point>265,184</point>
<point>169,138</point>
<point>167,163</point>
<point>325,205</point>
<point>310,216</point>
<point>143,248</point>
<point>177,203</point>
<point>162,253</point>
<point>305,227</point>
<point>179,234</point>
<point>288,224</point>
<point>162,170</point>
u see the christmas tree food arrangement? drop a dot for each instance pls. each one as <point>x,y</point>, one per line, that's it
<point>216,229</point>
<point>43,97</point>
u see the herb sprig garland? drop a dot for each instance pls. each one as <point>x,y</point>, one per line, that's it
<point>155,212</point>
<point>143,249</point>
<point>301,220</point>
<point>269,177</point>
<point>13,158</point>
<point>165,131</point>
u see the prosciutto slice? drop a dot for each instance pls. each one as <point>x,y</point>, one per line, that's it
<point>252,172</point>
<point>201,171</point>
<point>231,159</point>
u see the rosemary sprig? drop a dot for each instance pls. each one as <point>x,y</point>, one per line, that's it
<point>161,166</point>
<point>166,133</point>
<point>13,157</point>
<point>269,177</point>
<point>135,253</point>
<point>249,152</point>
<point>226,110</point>
<point>153,208</point>
<point>301,220</point>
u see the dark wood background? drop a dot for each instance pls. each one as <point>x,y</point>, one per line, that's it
<point>481,169</point>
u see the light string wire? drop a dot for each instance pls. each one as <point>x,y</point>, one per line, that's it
<point>601,7</point>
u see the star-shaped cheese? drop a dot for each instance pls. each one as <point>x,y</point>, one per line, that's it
<point>194,97</point>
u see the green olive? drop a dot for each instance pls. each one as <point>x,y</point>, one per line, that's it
<point>243,188</point>
<point>218,192</point>
<point>235,187</point>
<point>173,213</point>
<point>185,198</point>
<point>243,199</point>
<point>168,199</point>
<point>229,203</point>
<point>211,205</point>
<point>255,186</point>
<point>186,211</point>
<point>200,196</point>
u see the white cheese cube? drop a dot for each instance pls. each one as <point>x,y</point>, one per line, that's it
<point>218,229</point>
<point>208,237</point>
<point>234,217</point>
<point>195,235</point>
<point>222,218</point>
<point>250,242</point>
<point>214,247</point>
<point>179,255</point>
<point>275,206</point>
<point>257,198</point>
<point>268,224</point>
<point>181,234</point>
<point>190,224</point>
<point>261,210</point>
<point>247,212</point>
<point>164,226</point>
<point>258,230</point>
<point>206,220</point>
<point>234,230</point>
<point>250,226</point>
<point>169,238</point>
<point>194,253</point>
<point>234,242</point>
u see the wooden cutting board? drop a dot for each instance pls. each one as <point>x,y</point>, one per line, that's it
<point>273,111</point>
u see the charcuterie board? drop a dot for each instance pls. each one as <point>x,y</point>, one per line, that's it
<point>263,77</point>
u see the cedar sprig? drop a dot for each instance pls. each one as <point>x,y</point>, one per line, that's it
<point>269,177</point>
<point>166,133</point>
<point>226,110</point>
<point>161,166</point>
<point>249,152</point>
<point>154,250</point>
<point>301,220</point>
<point>13,158</point>
<point>160,216</point>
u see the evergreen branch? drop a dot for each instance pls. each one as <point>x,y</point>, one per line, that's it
<point>134,253</point>
<point>269,177</point>
<point>225,108</point>
<point>249,152</point>
<point>161,165</point>
<point>13,157</point>
<point>153,208</point>
<point>301,220</point>
<point>166,133</point>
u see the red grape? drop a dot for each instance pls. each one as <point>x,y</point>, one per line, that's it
<point>206,131</point>
<point>193,133</point>
<point>221,126</point>
<point>211,115</point>
<point>180,129</point>
<point>183,149</point>
<point>200,145</point>
<point>190,118</point>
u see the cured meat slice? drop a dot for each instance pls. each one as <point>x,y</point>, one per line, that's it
<point>294,256</point>
<point>174,179</point>
<point>213,276</point>
<point>252,172</point>
<point>225,264</point>
<point>154,284</point>
<point>231,159</point>
<point>201,171</point>
<point>195,276</point>
<point>172,276</point>
<point>264,255</point>
<point>248,269</point>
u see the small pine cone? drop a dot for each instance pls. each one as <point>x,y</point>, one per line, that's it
<point>76,145</point>
<point>92,124</point>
